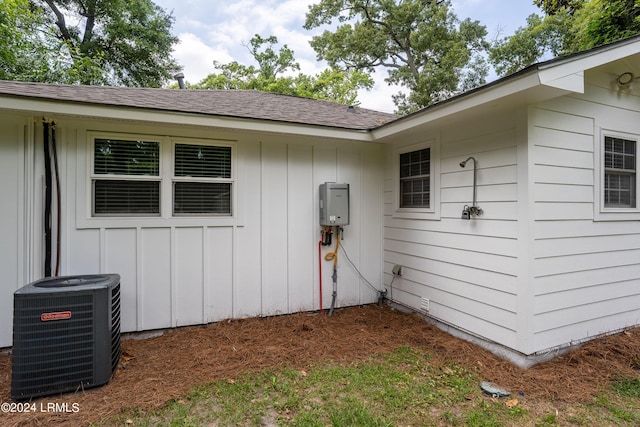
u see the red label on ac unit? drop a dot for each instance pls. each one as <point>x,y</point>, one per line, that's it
<point>58,315</point>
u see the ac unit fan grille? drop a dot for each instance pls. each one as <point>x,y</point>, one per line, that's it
<point>58,353</point>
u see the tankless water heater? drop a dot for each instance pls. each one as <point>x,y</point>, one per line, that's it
<point>334,204</point>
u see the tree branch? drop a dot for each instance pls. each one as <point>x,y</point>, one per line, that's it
<point>90,13</point>
<point>64,31</point>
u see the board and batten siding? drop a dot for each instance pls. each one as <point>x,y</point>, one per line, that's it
<point>190,271</point>
<point>15,226</point>
<point>586,269</point>
<point>468,270</point>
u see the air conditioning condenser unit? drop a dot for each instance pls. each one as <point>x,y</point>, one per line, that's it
<point>66,334</point>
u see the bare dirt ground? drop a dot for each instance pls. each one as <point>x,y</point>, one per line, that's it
<point>156,370</point>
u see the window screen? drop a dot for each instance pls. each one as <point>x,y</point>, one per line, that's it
<point>127,178</point>
<point>114,197</point>
<point>415,179</point>
<point>117,157</point>
<point>202,161</point>
<point>202,198</point>
<point>620,172</point>
<point>202,180</point>
<point>123,181</point>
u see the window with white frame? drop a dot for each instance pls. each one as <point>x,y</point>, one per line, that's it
<point>415,179</point>
<point>202,180</point>
<point>619,172</point>
<point>126,177</point>
<point>135,177</point>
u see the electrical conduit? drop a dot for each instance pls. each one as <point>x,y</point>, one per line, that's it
<point>320,270</point>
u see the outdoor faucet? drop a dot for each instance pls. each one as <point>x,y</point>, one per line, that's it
<point>472,210</point>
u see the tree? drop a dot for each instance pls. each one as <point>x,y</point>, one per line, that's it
<point>276,73</point>
<point>551,7</point>
<point>111,42</point>
<point>541,37</point>
<point>23,53</point>
<point>421,43</point>
<point>602,21</point>
<point>570,26</point>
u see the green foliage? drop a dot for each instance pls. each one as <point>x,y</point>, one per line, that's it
<point>16,22</point>
<point>276,73</point>
<point>570,26</point>
<point>628,387</point>
<point>602,21</point>
<point>27,50</point>
<point>422,44</point>
<point>104,42</point>
<point>541,37</point>
<point>551,7</point>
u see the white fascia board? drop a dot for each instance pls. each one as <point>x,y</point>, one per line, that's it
<point>571,82</point>
<point>568,74</point>
<point>45,107</point>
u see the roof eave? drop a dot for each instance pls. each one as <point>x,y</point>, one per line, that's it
<point>536,83</point>
<point>518,88</point>
<point>45,107</point>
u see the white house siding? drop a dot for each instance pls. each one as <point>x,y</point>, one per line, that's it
<point>586,272</point>
<point>468,270</point>
<point>193,271</point>
<point>13,222</point>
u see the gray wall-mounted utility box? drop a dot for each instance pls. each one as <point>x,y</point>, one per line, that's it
<point>334,204</point>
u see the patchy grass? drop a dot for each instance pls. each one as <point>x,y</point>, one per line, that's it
<point>400,388</point>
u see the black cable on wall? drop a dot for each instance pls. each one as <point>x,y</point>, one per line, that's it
<point>47,199</point>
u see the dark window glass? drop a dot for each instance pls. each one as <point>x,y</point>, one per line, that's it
<point>212,198</point>
<point>415,179</point>
<point>115,197</point>
<point>619,173</point>
<point>117,157</point>
<point>203,161</point>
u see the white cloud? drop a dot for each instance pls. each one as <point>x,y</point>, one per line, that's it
<point>197,57</point>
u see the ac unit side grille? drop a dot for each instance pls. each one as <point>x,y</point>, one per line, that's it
<point>66,334</point>
<point>115,327</point>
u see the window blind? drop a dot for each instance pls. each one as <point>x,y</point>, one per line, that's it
<point>119,157</point>
<point>204,161</point>
<point>201,198</point>
<point>121,197</point>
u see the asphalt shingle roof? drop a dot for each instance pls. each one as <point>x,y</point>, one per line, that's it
<point>246,104</point>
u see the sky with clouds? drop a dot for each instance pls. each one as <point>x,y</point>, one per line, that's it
<point>216,30</point>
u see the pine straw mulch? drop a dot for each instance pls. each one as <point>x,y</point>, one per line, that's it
<point>168,366</point>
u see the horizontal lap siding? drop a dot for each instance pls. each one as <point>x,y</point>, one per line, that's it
<point>586,273</point>
<point>178,275</point>
<point>467,269</point>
